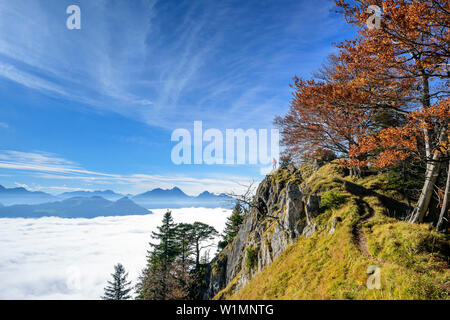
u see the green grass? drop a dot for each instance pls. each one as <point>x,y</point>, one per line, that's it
<point>332,199</point>
<point>413,259</point>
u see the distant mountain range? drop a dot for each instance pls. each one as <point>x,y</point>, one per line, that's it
<point>19,202</point>
<point>107,194</point>
<point>176,198</point>
<point>11,196</point>
<point>77,207</point>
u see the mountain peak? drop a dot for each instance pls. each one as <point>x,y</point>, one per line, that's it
<point>206,194</point>
<point>124,199</point>
<point>20,195</point>
<point>163,193</point>
<point>177,190</point>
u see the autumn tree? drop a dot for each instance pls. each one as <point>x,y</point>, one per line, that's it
<point>324,116</point>
<point>407,59</point>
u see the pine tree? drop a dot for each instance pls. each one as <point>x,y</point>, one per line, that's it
<point>153,283</point>
<point>167,249</point>
<point>119,288</point>
<point>201,233</point>
<point>174,261</point>
<point>232,225</point>
<point>185,236</point>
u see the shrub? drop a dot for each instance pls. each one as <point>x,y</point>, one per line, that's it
<point>250,259</point>
<point>222,244</point>
<point>332,200</point>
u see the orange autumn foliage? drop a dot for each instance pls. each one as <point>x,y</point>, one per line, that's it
<point>394,144</point>
<point>407,60</point>
<point>322,117</point>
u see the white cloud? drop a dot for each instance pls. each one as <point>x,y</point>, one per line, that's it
<point>10,72</point>
<point>21,185</point>
<point>4,125</point>
<point>54,258</point>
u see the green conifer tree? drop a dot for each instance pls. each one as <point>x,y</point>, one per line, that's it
<point>119,287</point>
<point>153,282</point>
<point>232,225</point>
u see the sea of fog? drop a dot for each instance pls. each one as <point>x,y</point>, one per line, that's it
<point>55,258</point>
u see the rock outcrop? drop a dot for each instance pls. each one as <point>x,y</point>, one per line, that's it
<point>282,212</point>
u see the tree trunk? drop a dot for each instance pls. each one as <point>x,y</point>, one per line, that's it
<point>444,208</point>
<point>431,176</point>
<point>432,160</point>
<point>352,172</point>
<point>197,254</point>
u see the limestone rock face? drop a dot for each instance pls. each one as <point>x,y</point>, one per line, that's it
<point>279,215</point>
<point>312,209</point>
<point>333,225</point>
<point>294,210</point>
<point>312,206</point>
<point>309,230</point>
<point>216,275</point>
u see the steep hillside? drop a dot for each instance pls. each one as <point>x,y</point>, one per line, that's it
<point>319,235</point>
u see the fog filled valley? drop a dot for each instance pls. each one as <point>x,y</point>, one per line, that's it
<point>55,258</point>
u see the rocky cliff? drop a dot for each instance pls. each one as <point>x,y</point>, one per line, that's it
<point>284,209</point>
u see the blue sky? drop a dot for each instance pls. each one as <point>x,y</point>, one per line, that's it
<point>95,108</point>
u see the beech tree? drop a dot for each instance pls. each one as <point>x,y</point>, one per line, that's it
<point>395,144</point>
<point>408,56</point>
<point>324,115</point>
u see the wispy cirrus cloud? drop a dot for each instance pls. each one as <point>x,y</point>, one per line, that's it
<point>10,72</point>
<point>93,66</point>
<point>40,161</point>
<point>166,64</point>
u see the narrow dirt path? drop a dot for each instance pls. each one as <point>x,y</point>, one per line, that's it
<point>359,237</point>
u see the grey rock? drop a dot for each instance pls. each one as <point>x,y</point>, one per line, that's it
<point>333,225</point>
<point>269,228</point>
<point>294,210</point>
<point>309,230</point>
<point>312,206</point>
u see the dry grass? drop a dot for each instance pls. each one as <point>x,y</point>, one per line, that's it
<point>413,259</point>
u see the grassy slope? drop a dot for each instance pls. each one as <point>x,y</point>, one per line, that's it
<point>413,259</point>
